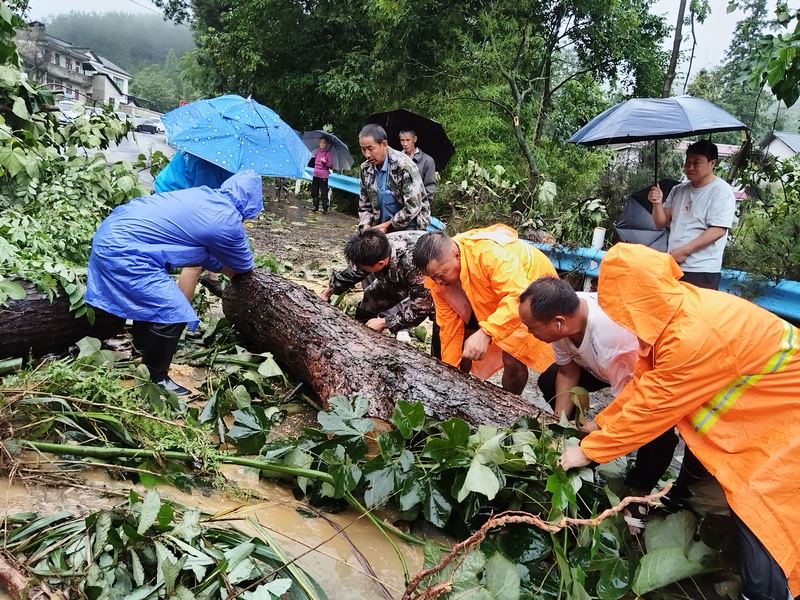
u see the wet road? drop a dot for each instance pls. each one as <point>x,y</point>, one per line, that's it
<point>139,143</point>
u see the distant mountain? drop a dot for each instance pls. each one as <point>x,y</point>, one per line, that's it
<point>132,41</point>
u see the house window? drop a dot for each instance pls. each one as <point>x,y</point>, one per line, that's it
<point>120,82</point>
<point>55,58</point>
<point>69,64</point>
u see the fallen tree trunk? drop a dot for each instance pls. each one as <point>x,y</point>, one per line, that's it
<point>36,326</point>
<point>12,580</point>
<point>335,355</point>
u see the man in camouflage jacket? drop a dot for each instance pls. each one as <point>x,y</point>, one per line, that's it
<point>393,197</point>
<point>395,296</point>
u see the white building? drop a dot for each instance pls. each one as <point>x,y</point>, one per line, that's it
<point>782,144</point>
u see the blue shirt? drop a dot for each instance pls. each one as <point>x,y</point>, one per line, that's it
<point>388,204</point>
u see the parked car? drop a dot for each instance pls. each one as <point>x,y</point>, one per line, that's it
<point>66,111</point>
<point>151,126</point>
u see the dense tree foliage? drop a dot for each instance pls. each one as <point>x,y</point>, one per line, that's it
<point>132,41</point>
<point>162,86</point>
<point>510,80</point>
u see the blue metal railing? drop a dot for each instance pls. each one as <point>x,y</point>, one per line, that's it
<point>348,184</point>
<point>782,298</point>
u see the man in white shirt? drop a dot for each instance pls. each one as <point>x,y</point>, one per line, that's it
<point>699,213</point>
<point>593,352</point>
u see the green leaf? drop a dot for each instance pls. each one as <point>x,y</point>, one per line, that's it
<point>11,290</point>
<point>480,479</point>
<point>524,544</point>
<point>456,430</point>
<point>189,527</point>
<point>250,427</point>
<point>149,511</point>
<point>381,486</point>
<point>436,507</point>
<point>614,580</point>
<point>274,589</point>
<point>408,417</point>
<point>88,346</point>
<point>21,109</point>
<point>672,553</point>
<point>181,593</point>
<point>502,578</point>
<point>345,417</point>
<point>142,593</point>
<point>136,568</point>
<point>269,368</point>
<point>10,365</point>
<point>241,396</point>
<point>102,527</point>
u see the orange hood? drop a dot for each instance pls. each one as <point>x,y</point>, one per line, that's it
<point>641,300</point>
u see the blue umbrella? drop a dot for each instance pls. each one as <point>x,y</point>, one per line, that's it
<point>644,119</point>
<point>342,159</point>
<point>237,133</point>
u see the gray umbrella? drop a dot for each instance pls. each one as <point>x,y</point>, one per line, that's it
<point>342,159</point>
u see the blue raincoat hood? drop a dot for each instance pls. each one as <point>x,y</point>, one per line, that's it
<point>245,191</point>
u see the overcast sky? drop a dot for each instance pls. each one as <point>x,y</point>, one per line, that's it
<point>713,36</point>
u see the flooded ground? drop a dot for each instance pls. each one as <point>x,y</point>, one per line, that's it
<point>344,552</point>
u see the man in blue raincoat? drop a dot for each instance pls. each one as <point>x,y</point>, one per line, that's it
<point>140,242</point>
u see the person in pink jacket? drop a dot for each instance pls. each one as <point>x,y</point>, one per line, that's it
<point>323,163</point>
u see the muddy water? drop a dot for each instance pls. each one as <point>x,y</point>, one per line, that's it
<point>327,556</point>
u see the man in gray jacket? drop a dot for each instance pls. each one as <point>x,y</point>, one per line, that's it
<point>424,162</point>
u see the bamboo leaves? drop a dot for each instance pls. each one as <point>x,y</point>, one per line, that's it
<point>138,552</point>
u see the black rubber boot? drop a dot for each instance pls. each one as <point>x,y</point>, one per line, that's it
<point>159,347</point>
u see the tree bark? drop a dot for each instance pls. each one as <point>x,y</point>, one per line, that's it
<point>12,580</point>
<point>35,326</point>
<point>335,355</point>
<point>676,51</point>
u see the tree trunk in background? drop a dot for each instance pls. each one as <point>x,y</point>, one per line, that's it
<point>676,51</point>
<point>35,326</point>
<point>335,355</point>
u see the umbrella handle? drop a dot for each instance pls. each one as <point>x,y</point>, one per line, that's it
<point>656,157</point>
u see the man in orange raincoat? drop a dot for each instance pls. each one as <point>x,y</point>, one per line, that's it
<point>475,280</point>
<point>727,373</point>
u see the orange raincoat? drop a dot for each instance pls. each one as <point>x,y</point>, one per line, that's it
<point>727,373</point>
<point>496,267</point>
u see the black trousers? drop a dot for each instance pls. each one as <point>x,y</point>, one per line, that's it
<point>709,281</point>
<point>652,459</point>
<point>319,187</point>
<point>762,577</point>
<point>157,342</point>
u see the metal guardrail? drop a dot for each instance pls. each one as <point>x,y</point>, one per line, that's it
<point>781,298</point>
<point>348,184</point>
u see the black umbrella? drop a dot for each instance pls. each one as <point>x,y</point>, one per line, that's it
<point>431,137</point>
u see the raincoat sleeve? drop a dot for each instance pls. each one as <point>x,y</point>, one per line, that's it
<point>231,248</point>
<point>679,384</point>
<point>212,264</point>
<point>413,193</point>
<point>507,278</point>
<point>341,281</point>
<point>413,309</point>
<point>451,327</point>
